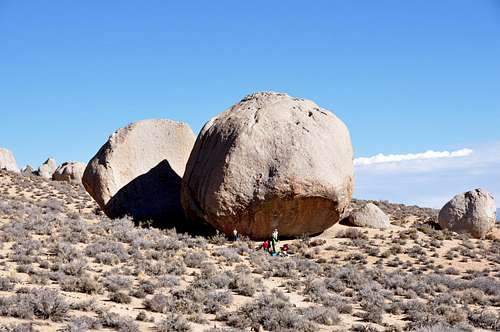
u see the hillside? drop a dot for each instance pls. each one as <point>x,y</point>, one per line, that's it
<point>66,267</point>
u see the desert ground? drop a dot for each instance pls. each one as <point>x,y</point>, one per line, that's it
<point>67,267</point>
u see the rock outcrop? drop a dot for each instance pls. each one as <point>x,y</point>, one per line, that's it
<point>472,212</point>
<point>138,171</point>
<point>371,216</point>
<point>47,169</point>
<point>71,171</point>
<point>27,170</point>
<point>7,160</point>
<point>270,161</point>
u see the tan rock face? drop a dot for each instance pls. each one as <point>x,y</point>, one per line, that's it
<point>138,171</point>
<point>70,172</point>
<point>472,212</point>
<point>7,160</point>
<point>370,216</point>
<point>47,169</point>
<point>27,170</point>
<point>270,161</point>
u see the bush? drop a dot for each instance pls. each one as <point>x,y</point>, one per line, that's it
<point>115,321</point>
<point>158,303</point>
<point>120,297</point>
<point>195,259</point>
<point>6,284</point>
<point>49,304</point>
<point>351,233</point>
<point>229,254</point>
<point>26,327</point>
<point>85,305</point>
<point>322,315</point>
<point>74,268</point>
<point>115,248</point>
<point>271,311</point>
<point>43,303</point>
<point>243,284</point>
<point>82,323</point>
<point>372,302</point>
<point>117,282</point>
<point>485,319</point>
<point>107,258</point>
<point>215,300</point>
<point>173,323</point>
<point>84,284</point>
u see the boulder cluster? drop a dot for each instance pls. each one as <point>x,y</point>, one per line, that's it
<point>271,161</point>
<point>71,171</point>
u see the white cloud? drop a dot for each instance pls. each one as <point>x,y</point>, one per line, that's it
<point>382,158</point>
<point>431,181</point>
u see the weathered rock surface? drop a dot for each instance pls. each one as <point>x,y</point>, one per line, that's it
<point>71,171</point>
<point>270,161</point>
<point>27,170</point>
<point>47,169</point>
<point>371,216</point>
<point>138,171</point>
<point>7,160</point>
<point>472,212</point>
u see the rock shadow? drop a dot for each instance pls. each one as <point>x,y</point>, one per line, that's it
<point>153,197</point>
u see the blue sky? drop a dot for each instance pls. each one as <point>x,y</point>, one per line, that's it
<point>406,77</point>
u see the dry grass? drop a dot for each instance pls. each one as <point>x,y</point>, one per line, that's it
<point>66,267</point>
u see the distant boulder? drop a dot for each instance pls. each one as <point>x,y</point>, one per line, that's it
<point>138,171</point>
<point>7,160</point>
<point>71,171</point>
<point>47,169</point>
<point>472,212</point>
<point>27,170</point>
<point>270,161</point>
<point>371,216</point>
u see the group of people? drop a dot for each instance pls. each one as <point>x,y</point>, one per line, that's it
<point>270,246</point>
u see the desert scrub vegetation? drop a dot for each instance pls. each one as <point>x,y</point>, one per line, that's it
<point>42,303</point>
<point>65,263</point>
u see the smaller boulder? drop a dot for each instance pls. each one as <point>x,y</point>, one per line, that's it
<point>47,169</point>
<point>71,171</point>
<point>371,216</point>
<point>472,212</point>
<point>27,170</point>
<point>7,160</point>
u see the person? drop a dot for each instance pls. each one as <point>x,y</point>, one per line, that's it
<point>275,234</point>
<point>274,242</point>
<point>236,235</point>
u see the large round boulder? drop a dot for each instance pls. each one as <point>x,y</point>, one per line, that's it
<point>7,160</point>
<point>47,169</point>
<point>138,171</point>
<point>71,171</point>
<point>270,161</point>
<point>371,216</point>
<point>472,212</point>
